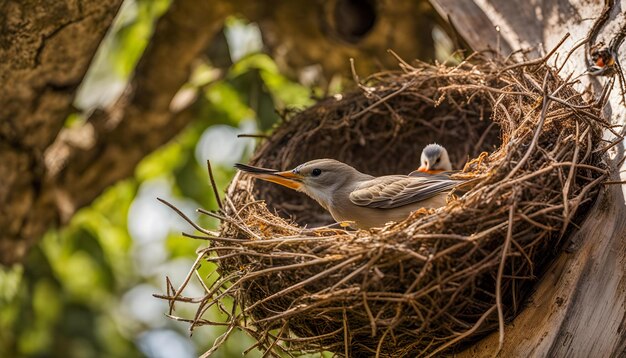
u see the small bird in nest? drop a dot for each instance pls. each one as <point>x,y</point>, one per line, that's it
<point>603,61</point>
<point>360,199</point>
<point>434,160</point>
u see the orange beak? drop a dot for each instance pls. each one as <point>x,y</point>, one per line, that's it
<point>287,178</point>
<point>424,169</point>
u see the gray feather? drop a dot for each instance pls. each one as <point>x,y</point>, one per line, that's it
<point>399,190</point>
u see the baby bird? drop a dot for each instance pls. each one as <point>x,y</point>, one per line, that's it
<point>434,160</point>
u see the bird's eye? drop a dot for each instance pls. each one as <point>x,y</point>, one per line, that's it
<point>316,172</point>
<point>437,161</point>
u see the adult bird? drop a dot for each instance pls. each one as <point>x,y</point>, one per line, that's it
<point>434,160</point>
<point>355,197</point>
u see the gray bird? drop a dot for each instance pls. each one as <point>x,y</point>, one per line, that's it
<point>355,197</point>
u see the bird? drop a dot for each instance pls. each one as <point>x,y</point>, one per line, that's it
<point>434,160</point>
<point>361,200</point>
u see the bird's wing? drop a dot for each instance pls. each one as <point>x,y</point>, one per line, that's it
<point>393,191</point>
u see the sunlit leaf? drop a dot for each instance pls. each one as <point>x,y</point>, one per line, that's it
<point>227,105</point>
<point>47,303</point>
<point>286,93</point>
<point>159,163</point>
<point>10,280</point>
<point>178,246</point>
<point>132,37</point>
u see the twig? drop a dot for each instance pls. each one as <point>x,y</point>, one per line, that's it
<point>614,182</point>
<point>185,282</point>
<point>214,186</point>
<point>382,100</point>
<point>465,334</point>
<point>346,334</point>
<point>505,249</point>
<point>187,219</point>
<point>303,283</point>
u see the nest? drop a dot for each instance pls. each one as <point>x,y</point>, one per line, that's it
<point>441,278</point>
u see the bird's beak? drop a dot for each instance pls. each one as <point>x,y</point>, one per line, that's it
<point>424,169</point>
<point>287,178</point>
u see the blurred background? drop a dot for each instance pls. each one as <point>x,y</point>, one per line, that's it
<point>85,289</point>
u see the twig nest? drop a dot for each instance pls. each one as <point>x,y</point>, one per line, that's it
<point>442,277</point>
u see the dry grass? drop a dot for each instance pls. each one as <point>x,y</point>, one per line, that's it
<point>440,278</point>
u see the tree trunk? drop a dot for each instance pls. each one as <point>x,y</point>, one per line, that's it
<point>578,308</point>
<point>47,172</point>
<point>45,49</point>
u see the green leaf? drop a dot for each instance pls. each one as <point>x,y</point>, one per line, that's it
<point>226,105</point>
<point>286,93</point>
<point>180,246</point>
<point>256,95</point>
<point>161,162</point>
<point>193,182</point>
<point>88,243</point>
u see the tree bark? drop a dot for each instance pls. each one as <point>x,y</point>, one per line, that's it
<point>578,307</point>
<point>45,49</point>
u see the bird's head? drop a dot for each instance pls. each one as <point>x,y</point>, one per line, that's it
<point>318,178</point>
<point>434,159</point>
